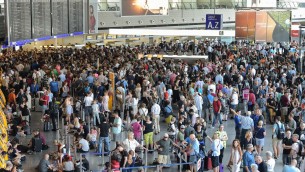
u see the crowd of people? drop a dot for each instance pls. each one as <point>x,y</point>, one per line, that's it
<point>255,86</point>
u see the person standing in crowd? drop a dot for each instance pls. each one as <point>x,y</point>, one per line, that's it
<point>88,106</point>
<point>104,142</point>
<point>155,111</point>
<point>292,167</point>
<point>45,100</point>
<point>259,136</point>
<point>235,157</point>
<point>278,127</point>
<point>217,108</point>
<point>270,161</point>
<point>198,101</point>
<point>216,146</point>
<point>246,125</point>
<point>193,145</point>
<point>223,136</point>
<point>148,132</point>
<point>286,144</point>
<point>262,165</point>
<point>163,148</point>
<point>248,158</point>
<point>116,126</point>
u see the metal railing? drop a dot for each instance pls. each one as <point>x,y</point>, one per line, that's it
<point>203,4</point>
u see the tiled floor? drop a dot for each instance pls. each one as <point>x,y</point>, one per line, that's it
<point>96,162</point>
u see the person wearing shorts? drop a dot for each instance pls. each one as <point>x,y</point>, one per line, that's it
<point>215,150</point>
<point>148,132</point>
<point>260,134</point>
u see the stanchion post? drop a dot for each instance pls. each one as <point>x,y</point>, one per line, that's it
<point>145,169</point>
<point>68,146</point>
<point>103,155</point>
<point>180,161</point>
<point>81,162</point>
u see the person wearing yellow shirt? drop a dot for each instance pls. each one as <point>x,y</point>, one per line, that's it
<point>222,134</point>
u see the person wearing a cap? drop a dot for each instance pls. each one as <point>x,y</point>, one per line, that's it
<point>192,149</point>
<point>180,135</point>
<point>248,158</point>
<point>163,146</point>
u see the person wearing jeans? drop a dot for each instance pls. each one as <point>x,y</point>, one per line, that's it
<point>217,109</point>
<point>103,132</point>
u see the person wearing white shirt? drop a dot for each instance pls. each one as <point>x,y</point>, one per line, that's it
<point>88,105</point>
<point>130,143</point>
<point>216,146</point>
<point>194,116</point>
<point>83,145</point>
<point>198,101</point>
<point>270,162</point>
<point>155,111</point>
<point>95,111</point>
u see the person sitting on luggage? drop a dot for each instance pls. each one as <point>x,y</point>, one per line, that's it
<point>83,145</point>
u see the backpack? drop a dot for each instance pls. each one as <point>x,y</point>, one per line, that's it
<point>280,134</point>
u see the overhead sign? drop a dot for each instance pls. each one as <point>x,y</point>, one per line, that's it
<point>213,22</point>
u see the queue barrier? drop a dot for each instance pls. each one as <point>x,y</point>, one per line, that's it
<point>145,167</point>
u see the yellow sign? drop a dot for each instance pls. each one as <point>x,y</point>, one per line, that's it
<point>111,97</point>
<point>160,56</point>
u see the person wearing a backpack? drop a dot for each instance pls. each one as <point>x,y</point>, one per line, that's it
<point>296,149</point>
<point>278,134</point>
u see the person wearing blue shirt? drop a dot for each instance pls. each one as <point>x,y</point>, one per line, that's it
<point>90,80</point>
<point>193,144</point>
<point>34,88</point>
<point>292,167</point>
<point>248,158</point>
<point>237,121</point>
<point>54,87</point>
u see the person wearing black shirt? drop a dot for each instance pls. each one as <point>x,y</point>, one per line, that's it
<point>271,104</point>
<point>200,135</point>
<point>262,165</point>
<point>148,133</point>
<point>103,131</point>
<point>287,143</point>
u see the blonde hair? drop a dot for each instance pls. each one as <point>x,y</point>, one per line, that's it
<point>260,123</point>
<point>248,134</point>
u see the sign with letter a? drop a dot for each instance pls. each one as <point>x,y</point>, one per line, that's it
<point>213,22</point>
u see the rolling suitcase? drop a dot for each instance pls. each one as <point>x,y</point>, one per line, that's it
<point>46,126</point>
<point>37,144</point>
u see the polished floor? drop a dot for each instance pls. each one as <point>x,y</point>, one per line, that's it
<point>96,163</point>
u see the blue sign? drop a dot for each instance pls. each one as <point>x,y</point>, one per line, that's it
<point>213,22</point>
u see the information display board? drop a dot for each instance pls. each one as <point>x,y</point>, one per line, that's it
<point>60,20</point>
<point>213,22</point>
<point>75,16</point>
<point>41,18</point>
<point>20,20</point>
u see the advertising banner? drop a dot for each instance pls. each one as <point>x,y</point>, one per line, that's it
<point>144,7</point>
<point>93,16</point>
<point>213,22</point>
<point>263,26</point>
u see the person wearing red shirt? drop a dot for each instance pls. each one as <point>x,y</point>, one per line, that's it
<point>45,99</point>
<point>217,108</point>
<point>251,101</point>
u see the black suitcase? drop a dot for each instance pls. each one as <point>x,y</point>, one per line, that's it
<point>37,144</point>
<point>47,126</point>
